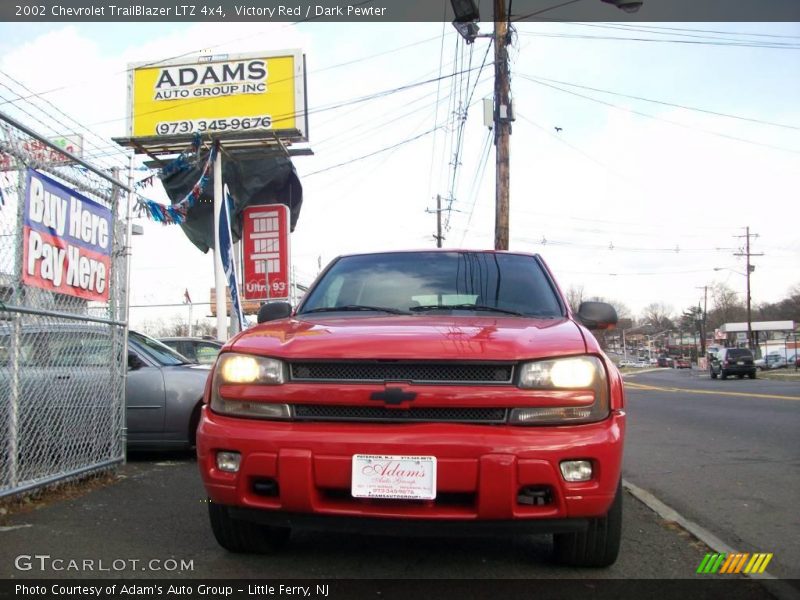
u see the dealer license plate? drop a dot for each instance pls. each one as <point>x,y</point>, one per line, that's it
<point>404,477</point>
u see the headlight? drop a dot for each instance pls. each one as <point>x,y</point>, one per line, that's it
<point>575,372</point>
<point>245,369</point>
<point>582,373</point>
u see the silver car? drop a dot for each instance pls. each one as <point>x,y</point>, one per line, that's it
<point>163,395</point>
<point>65,368</point>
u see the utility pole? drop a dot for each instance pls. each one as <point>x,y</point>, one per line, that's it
<point>466,23</point>
<point>750,268</point>
<point>703,326</point>
<point>502,120</point>
<point>438,236</point>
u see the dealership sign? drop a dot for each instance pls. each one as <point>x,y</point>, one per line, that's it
<point>265,250</point>
<point>219,94</point>
<point>44,154</point>
<point>66,240</point>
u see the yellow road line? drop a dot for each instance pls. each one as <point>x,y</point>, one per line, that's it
<point>640,386</point>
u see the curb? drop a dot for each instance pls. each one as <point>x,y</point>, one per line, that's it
<point>777,587</point>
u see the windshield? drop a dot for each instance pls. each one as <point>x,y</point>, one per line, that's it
<point>155,350</point>
<point>421,282</point>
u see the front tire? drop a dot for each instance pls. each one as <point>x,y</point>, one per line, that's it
<point>598,546</point>
<point>713,375</point>
<point>242,536</point>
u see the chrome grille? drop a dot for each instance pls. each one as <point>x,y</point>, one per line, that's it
<point>322,412</point>
<point>416,372</point>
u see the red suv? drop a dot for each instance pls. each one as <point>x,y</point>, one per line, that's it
<point>411,391</point>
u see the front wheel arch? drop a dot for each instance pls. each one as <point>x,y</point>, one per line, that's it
<point>194,421</point>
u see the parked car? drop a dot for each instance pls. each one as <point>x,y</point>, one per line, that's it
<point>458,392</point>
<point>163,395</point>
<point>665,361</point>
<point>66,365</point>
<point>626,363</point>
<point>683,363</point>
<point>773,360</point>
<point>199,350</point>
<point>732,361</point>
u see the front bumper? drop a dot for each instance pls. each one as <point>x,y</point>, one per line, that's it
<point>480,469</point>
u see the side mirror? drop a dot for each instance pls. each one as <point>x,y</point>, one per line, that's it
<point>597,315</point>
<point>274,310</point>
<point>134,362</point>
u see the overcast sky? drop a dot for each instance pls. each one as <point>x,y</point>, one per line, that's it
<point>632,208</point>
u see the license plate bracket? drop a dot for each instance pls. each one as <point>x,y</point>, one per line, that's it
<point>393,477</point>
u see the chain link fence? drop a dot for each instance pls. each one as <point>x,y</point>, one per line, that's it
<point>63,335</point>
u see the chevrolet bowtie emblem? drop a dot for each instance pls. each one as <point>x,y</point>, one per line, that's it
<point>393,396</point>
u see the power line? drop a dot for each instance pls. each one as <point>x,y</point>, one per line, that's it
<point>323,108</point>
<point>83,127</point>
<point>681,31</point>
<point>576,149</point>
<point>664,103</point>
<point>649,116</point>
<point>478,180</point>
<point>438,89</point>
<point>381,150</point>
<point>196,51</point>
<point>708,42</point>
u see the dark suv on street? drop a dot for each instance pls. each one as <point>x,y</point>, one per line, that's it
<point>732,361</point>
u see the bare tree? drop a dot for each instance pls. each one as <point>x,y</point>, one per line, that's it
<point>728,308</point>
<point>575,297</point>
<point>657,315</point>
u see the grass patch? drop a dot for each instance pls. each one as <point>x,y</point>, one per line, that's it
<point>780,375</point>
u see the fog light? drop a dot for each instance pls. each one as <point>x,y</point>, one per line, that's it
<point>229,461</point>
<point>576,470</point>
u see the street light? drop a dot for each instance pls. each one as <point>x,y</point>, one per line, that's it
<point>629,6</point>
<point>467,17</point>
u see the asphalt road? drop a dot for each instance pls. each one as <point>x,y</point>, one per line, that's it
<point>725,454</point>
<point>728,462</point>
<point>156,510</point>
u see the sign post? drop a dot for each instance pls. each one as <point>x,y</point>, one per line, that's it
<point>219,272</point>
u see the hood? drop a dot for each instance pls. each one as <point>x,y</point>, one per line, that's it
<point>423,337</point>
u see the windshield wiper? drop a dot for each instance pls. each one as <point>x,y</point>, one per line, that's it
<point>465,307</point>
<point>355,307</point>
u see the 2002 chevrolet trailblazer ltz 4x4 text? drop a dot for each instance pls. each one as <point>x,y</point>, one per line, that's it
<point>437,391</point>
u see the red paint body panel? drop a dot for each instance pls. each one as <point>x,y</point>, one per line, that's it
<point>481,468</point>
<point>311,462</point>
<point>418,337</point>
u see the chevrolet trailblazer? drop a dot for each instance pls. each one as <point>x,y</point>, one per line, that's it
<point>445,391</point>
